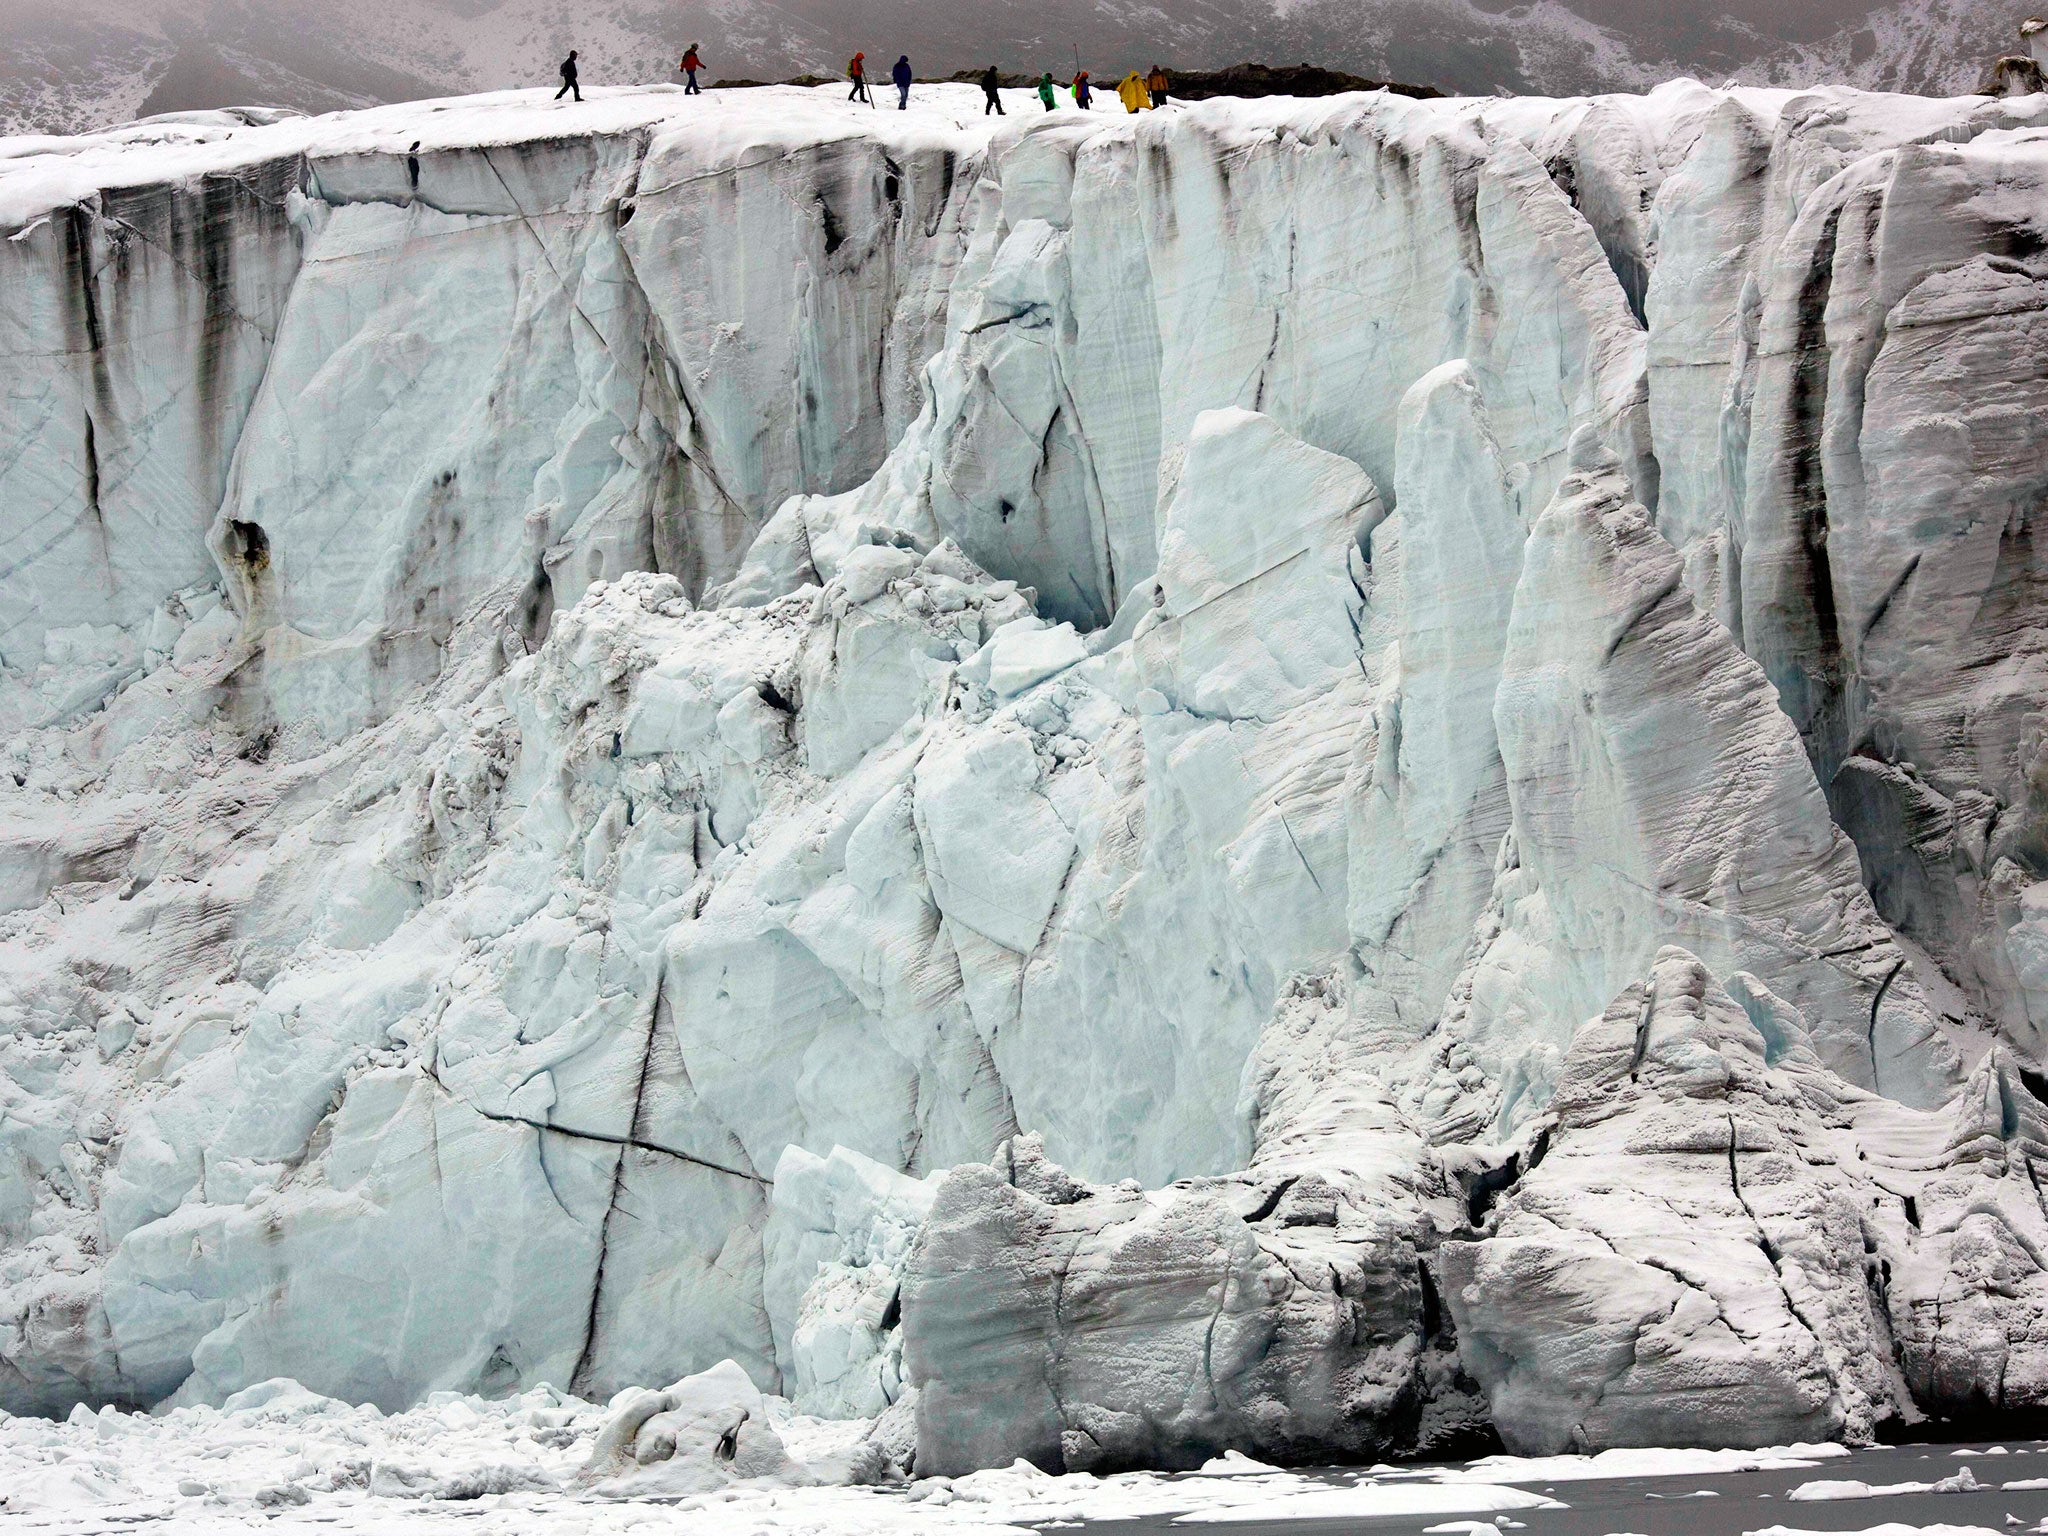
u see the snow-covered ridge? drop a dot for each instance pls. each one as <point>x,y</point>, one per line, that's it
<point>1405,733</point>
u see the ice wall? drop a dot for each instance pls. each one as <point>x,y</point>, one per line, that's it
<point>1316,777</point>
<point>373,384</point>
<point>138,325</point>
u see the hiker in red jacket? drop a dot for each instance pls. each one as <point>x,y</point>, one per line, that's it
<point>857,72</point>
<point>691,64</point>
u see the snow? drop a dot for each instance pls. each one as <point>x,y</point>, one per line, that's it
<point>706,1454</point>
<point>1650,1462</point>
<point>1370,1502</point>
<point>41,174</point>
<point>277,1453</point>
<point>1292,779</point>
<point>1849,1488</point>
<point>309,56</point>
<point>1233,1464</point>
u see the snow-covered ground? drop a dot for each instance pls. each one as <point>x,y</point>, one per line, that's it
<point>93,62</point>
<point>278,1456</point>
<point>1305,778</point>
<point>276,1451</point>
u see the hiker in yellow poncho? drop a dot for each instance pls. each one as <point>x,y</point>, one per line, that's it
<point>1132,93</point>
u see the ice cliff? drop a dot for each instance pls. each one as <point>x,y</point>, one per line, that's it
<point>1304,777</point>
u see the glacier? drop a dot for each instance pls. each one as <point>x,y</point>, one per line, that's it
<point>1322,779</point>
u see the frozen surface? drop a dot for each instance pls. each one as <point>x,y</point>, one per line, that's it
<point>1377,1502</point>
<point>1648,1462</point>
<point>1824,1489</point>
<point>279,1456</point>
<point>1304,779</point>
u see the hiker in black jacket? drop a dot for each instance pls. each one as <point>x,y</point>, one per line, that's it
<point>990,83</point>
<point>569,78</point>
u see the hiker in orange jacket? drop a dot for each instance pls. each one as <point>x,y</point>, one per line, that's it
<point>857,72</point>
<point>691,64</point>
<point>1156,84</point>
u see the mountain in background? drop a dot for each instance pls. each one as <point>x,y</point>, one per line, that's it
<point>99,61</point>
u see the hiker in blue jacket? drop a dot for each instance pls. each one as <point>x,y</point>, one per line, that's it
<point>901,75</point>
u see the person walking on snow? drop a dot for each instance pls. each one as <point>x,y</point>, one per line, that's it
<point>991,82</point>
<point>569,78</point>
<point>1131,92</point>
<point>691,64</point>
<point>857,72</point>
<point>901,75</point>
<point>1156,84</point>
<point>1044,91</point>
<point>1082,96</point>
